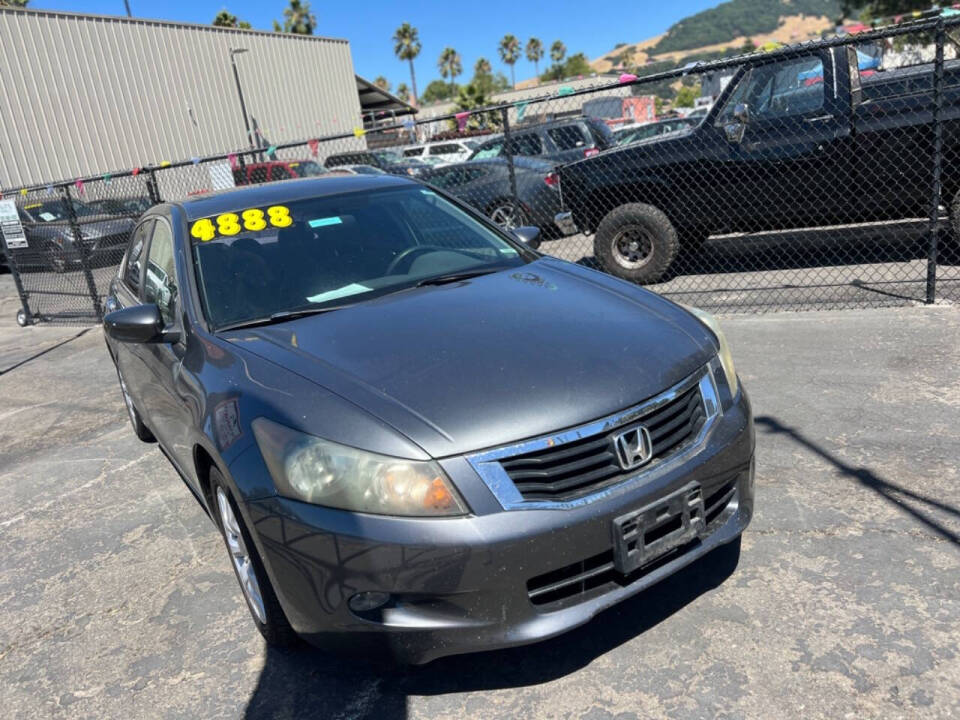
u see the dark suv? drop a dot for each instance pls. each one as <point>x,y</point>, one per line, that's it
<point>562,141</point>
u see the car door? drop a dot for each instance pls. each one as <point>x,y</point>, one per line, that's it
<point>126,292</point>
<point>165,404</point>
<point>789,153</point>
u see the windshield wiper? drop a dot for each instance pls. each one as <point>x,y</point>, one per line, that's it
<point>455,277</point>
<point>279,317</point>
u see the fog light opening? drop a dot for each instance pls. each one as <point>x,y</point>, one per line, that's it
<point>364,602</point>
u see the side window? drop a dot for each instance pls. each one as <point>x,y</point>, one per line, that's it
<point>471,174</point>
<point>258,174</point>
<point>160,281</point>
<point>567,137</point>
<point>279,172</point>
<point>446,149</point>
<point>778,90</point>
<point>526,144</point>
<point>446,178</point>
<point>133,263</point>
<point>490,150</point>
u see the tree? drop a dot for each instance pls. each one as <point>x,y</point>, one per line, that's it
<point>382,83</point>
<point>509,49</point>
<point>403,92</point>
<point>686,95</point>
<point>558,51</point>
<point>626,58</point>
<point>14,3</point>
<point>438,91</point>
<point>223,19</point>
<point>747,47</point>
<point>450,66</point>
<point>535,53</point>
<point>297,19</point>
<point>482,67</point>
<point>406,46</point>
<point>472,97</point>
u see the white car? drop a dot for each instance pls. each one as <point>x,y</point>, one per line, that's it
<point>441,153</point>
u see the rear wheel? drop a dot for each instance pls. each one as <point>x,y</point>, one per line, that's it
<point>261,599</point>
<point>141,430</point>
<point>636,242</point>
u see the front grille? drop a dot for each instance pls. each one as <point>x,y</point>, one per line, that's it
<point>596,575</point>
<point>573,469</point>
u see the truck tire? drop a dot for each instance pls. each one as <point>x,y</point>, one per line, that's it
<point>636,242</point>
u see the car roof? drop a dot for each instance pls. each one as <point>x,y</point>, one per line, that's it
<point>286,191</point>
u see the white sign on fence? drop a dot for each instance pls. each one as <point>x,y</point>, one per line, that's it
<point>10,226</point>
<point>221,176</point>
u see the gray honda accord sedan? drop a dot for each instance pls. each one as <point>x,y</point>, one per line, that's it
<point>418,436</point>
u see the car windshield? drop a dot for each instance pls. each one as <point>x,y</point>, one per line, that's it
<point>336,250</point>
<point>307,168</point>
<point>54,211</point>
<point>390,158</point>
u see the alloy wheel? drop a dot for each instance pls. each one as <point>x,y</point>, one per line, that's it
<point>633,247</point>
<point>240,556</point>
<point>508,216</point>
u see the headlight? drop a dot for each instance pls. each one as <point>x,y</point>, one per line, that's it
<point>321,472</point>
<point>726,359</point>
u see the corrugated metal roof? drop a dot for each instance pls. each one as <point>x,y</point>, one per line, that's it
<point>83,94</point>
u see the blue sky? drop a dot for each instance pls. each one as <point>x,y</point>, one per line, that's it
<point>473,28</point>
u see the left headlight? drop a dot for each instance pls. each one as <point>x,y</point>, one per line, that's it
<point>321,472</point>
<point>726,358</point>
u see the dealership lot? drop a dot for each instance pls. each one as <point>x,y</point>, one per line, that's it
<point>118,599</point>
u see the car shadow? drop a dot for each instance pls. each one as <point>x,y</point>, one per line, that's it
<point>307,683</point>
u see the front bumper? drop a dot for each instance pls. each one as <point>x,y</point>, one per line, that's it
<point>492,580</point>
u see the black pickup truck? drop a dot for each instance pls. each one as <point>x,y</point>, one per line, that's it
<point>796,140</point>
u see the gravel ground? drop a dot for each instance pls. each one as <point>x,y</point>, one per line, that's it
<point>118,600</point>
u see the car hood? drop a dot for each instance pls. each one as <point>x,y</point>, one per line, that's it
<point>494,359</point>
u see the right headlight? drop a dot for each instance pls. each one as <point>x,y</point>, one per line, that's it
<point>322,472</point>
<point>726,358</point>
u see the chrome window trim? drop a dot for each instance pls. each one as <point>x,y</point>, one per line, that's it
<point>487,466</point>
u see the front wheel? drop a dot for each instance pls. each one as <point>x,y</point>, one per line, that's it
<point>508,214</point>
<point>261,599</point>
<point>636,242</point>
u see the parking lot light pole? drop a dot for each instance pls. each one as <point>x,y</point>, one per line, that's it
<point>243,105</point>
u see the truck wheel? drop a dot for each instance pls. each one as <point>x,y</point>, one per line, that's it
<point>636,242</point>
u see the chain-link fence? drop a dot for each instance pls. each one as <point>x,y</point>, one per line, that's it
<point>822,175</point>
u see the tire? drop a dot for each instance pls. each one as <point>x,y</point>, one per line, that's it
<point>255,585</point>
<point>508,214</point>
<point>139,428</point>
<point>636,242</point>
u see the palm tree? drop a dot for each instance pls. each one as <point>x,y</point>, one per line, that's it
<point>509,49</point>
<point>406,46</point>
<point>535,53</point>
<point>297,19</point>
<point>450,66</point>
<point>558,51</point>
<point>403,92</point>
<point>482,67</point>
<point>382,83</point>
<point>223,19</point>
<point>14,3</point>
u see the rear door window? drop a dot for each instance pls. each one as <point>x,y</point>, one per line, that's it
<point>526,144</point>
<point>445,149</point>
<point>258,174</point>
<point>567,137</point>
<point>280,172</point>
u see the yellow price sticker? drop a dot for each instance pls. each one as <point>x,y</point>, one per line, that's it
<point>251,219</point>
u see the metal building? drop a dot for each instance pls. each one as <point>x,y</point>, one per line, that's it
<point>84,94</point>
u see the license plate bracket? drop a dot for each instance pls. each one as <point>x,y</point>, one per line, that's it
<point>641,536</point>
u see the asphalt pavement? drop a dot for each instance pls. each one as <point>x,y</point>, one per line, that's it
<point>117,599</point>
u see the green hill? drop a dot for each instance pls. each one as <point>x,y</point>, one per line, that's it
<point>737,18</point>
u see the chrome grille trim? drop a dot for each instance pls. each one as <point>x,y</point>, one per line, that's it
<point>487,462</point>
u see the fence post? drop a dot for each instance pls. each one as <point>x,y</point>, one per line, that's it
<point>18,283</point>
<point>936,190</point>
<point>152,189</point>
<point>509,151</point>
<point>82,248</point>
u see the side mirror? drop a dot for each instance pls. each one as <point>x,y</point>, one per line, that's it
<point>138,324</point>
<point>528,235</point>
<point>741,113</point>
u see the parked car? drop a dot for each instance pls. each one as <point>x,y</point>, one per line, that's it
<point>377,400</point>
<point>356,170</point>
<point>485,184</point>
<point>261,172</point>
<point>443,152</point>
<point>627,135</point>
<point>133,206</point>
<point>558,140</point>
<point>53,244</point>
<point>776,152</point>
<point>389,161</point>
